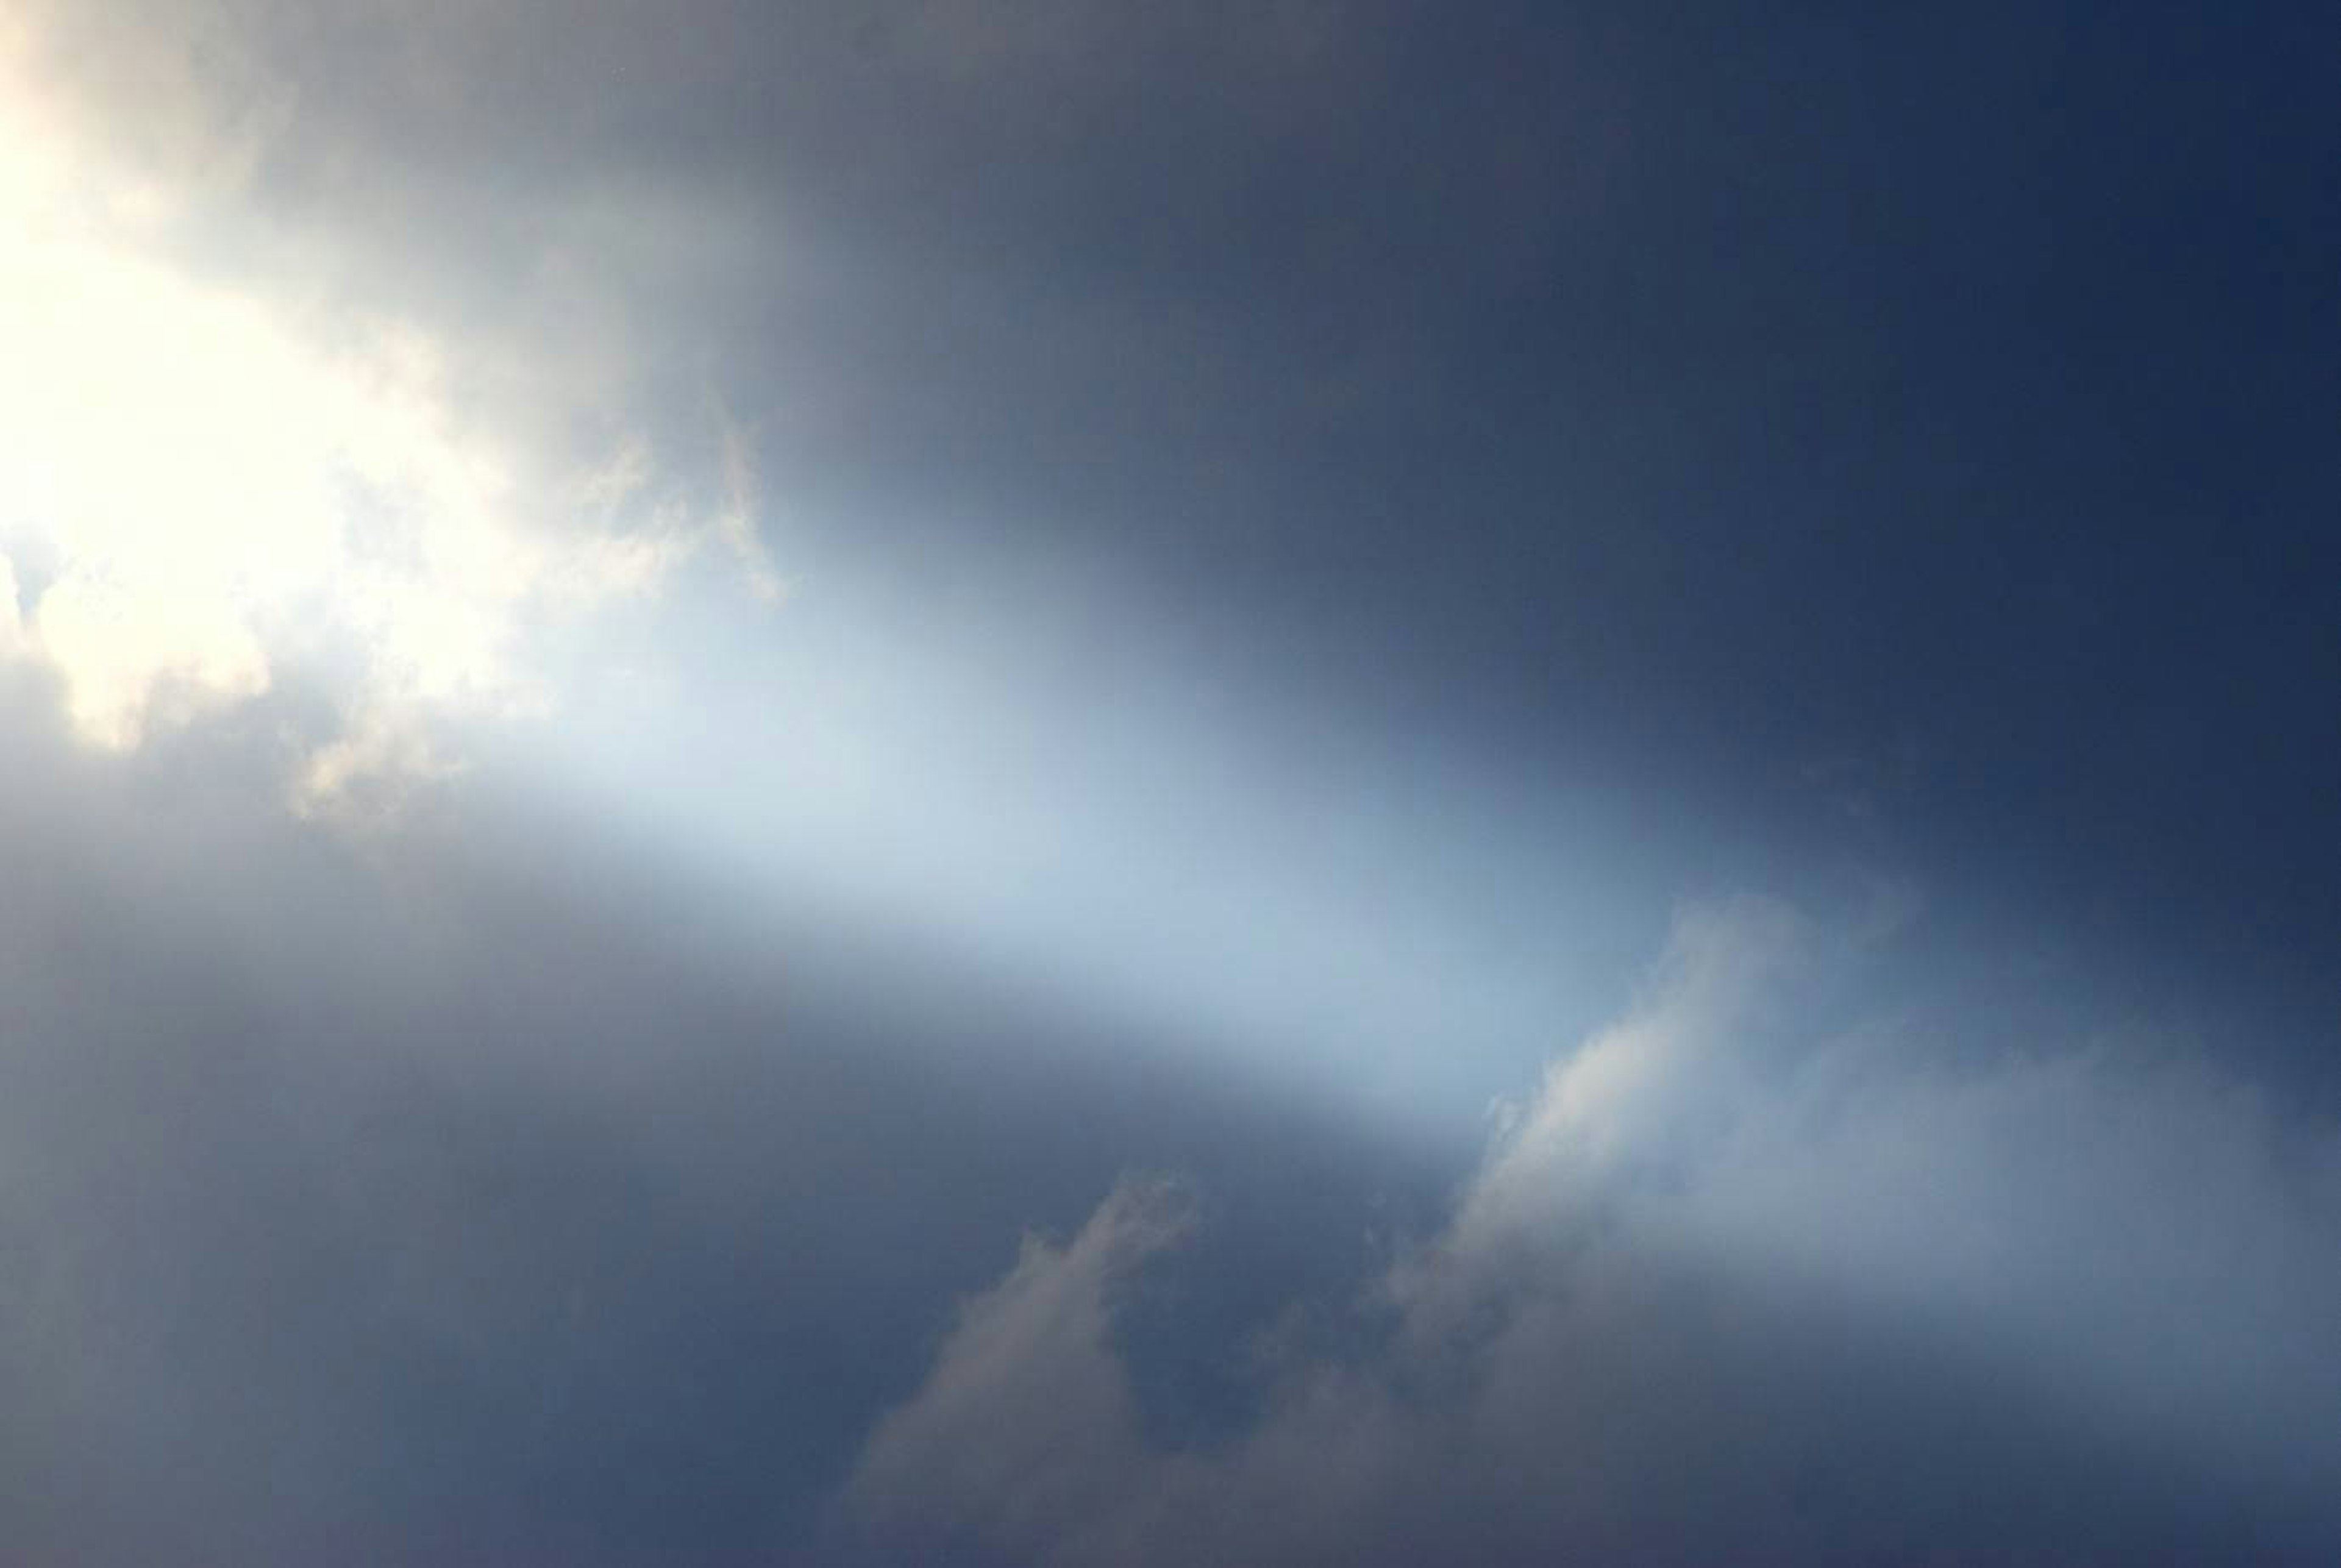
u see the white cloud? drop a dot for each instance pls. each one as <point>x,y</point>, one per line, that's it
<point>221,477</point>
<point>1730,1278</point>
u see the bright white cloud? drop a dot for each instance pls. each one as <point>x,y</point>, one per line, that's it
<point>209,481</point>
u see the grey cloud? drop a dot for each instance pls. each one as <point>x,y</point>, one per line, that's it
<point>1035,1345</point>
<point>1733,1284</point>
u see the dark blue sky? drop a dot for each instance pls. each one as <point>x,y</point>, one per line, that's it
<point>1935,403</point>
<point>1089,784</point>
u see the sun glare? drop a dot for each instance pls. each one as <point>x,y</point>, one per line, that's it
<point>199,482</point>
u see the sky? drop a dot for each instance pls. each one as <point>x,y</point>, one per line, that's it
<point>1081,783</point>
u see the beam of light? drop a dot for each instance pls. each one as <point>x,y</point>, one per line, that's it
<point>206,486</point>
<point>1307,905</point>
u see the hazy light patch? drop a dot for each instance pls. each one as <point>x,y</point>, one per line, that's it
<point>1333,911</point>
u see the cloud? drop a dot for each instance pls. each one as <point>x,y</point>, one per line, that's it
<point>228,449</point>
<point>735,522</point>
<point>1735,1283</point>
<point>1037,1344</point>
<point>11,619</point>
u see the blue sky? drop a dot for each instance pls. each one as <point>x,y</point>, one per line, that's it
<point>1080,784</point>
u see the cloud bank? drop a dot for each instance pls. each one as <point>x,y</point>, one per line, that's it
<point>1731,1286</point>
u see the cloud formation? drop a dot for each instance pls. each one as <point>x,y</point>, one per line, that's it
<point>1732,1284</point>
<point>221,459</point>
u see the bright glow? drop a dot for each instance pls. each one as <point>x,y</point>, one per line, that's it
<point>1362,922</point>
<point>209,482</point>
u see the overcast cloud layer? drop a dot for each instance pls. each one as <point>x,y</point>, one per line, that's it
<point>1081,782</point>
